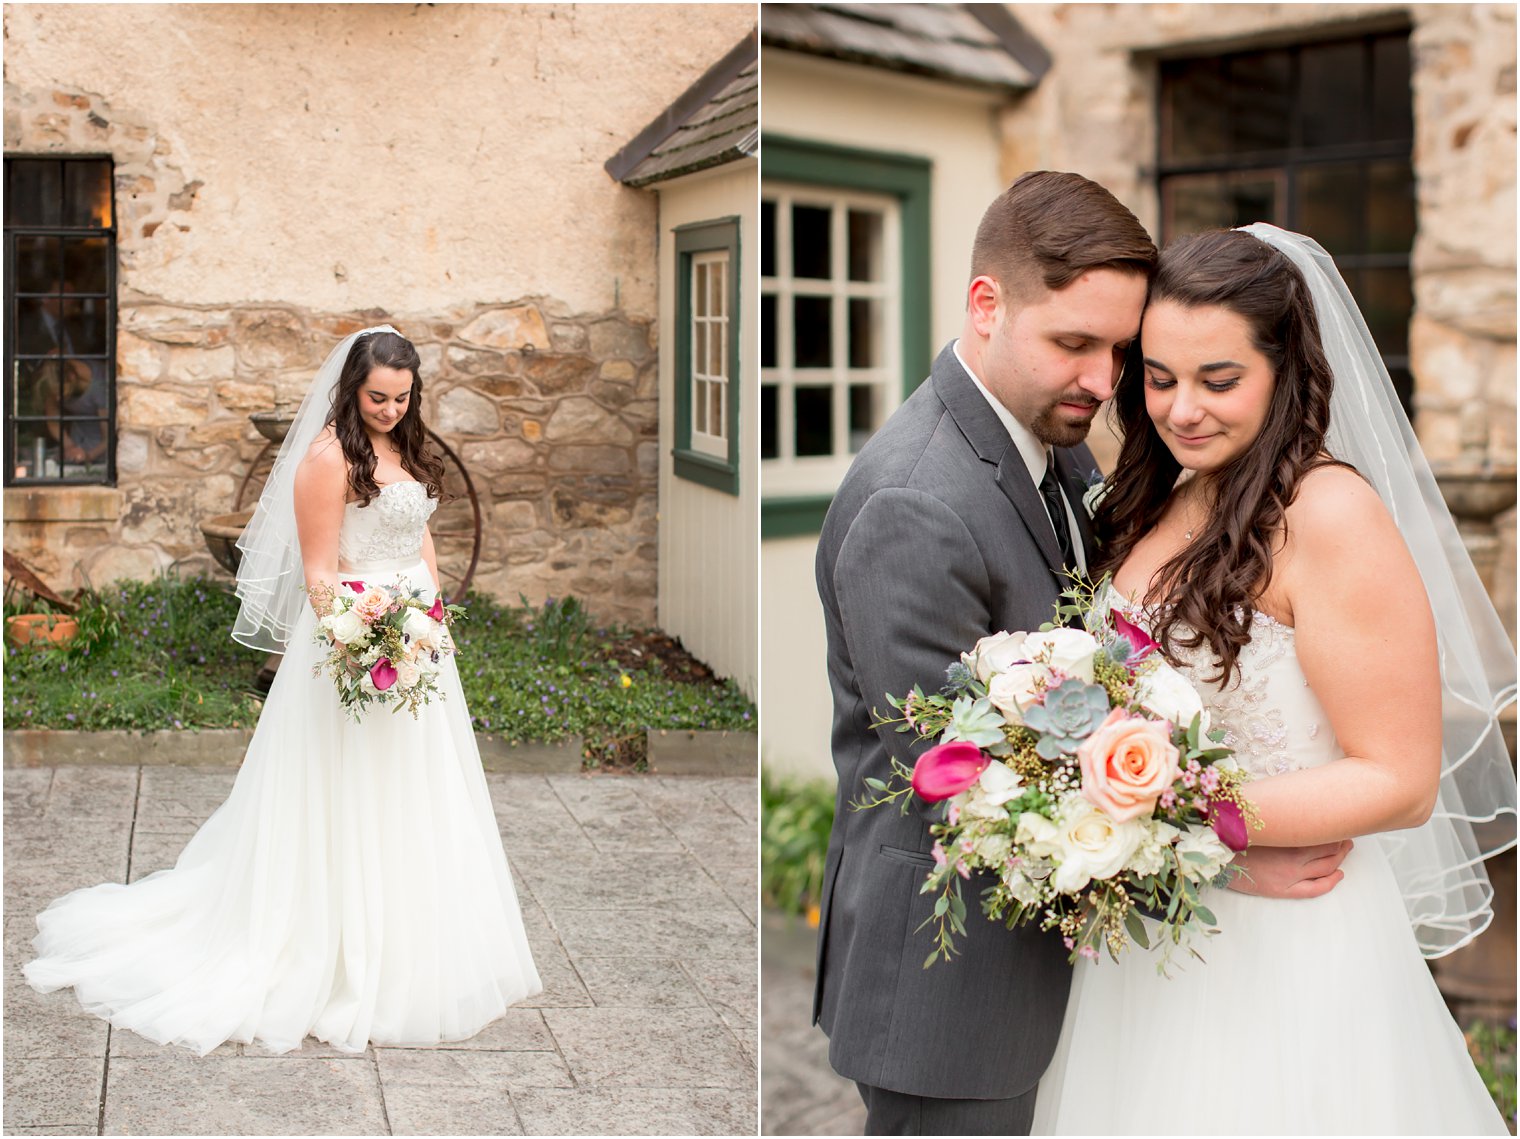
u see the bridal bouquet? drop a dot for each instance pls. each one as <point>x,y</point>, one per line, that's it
<point>1077,767</point>
<point>384,646</point>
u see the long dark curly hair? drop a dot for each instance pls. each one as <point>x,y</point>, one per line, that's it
<point>382,350</point>
<point>1207,592</point>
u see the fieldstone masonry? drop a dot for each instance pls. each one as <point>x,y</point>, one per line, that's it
<point>559,444</point>
<point>553,412</point>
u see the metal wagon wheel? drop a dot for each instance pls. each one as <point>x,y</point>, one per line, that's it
<point>456,525</point>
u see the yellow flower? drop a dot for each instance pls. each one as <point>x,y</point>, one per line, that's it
<point>626,681</point>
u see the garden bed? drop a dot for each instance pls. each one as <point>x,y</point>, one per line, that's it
<point>155,657</point>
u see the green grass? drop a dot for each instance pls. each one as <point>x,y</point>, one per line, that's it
<point>154,655</point>
<point>1493,1051</point>
<point>795,817</point>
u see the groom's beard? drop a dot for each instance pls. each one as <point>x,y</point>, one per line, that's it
<point>1055,428</point>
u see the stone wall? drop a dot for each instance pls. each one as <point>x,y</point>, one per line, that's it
<point>553,414</point>
<point>1094,113</point>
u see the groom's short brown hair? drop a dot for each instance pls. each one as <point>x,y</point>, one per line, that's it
<point>1050,227</point>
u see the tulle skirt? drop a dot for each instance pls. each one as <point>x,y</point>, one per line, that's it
<point>1312,1017</point>
<point>353,887</point>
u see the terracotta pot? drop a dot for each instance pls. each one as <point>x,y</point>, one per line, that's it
<point>40,629</point>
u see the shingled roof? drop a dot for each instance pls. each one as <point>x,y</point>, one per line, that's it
<point>979,44</point>
<point>716,120</point>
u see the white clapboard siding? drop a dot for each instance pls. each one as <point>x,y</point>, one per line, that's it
<point>709,540</point>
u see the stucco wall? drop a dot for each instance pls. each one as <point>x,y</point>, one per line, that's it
<point>440,167</point>
<point>439,155</point>
<point>709,539</point>
<point>957,130</point>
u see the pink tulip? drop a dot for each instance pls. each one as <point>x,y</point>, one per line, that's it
<point>356,586</point>
<point>436,612</point>
<point>383,674</point>
<point>948,769</point>
<point>1140,642</point>
<point>1229,824</point>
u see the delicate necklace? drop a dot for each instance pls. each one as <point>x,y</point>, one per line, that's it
<point>1187,535</point>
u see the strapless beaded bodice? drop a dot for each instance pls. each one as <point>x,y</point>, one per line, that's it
<point>388,530</point>
<point>1271,717</point>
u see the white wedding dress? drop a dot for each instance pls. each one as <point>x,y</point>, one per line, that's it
<point>1310,1017</point>
<point>353,886</point>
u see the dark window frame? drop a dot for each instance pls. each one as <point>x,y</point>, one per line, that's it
<point>1290,162</point>
<point>698,466</point>
<point>15,361</point>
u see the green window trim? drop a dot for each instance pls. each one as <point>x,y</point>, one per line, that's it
<point>697,466</point>
<point>793,516</point>
<point>906,177</point>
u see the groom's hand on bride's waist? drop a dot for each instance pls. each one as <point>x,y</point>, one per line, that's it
<point>1291,871</point>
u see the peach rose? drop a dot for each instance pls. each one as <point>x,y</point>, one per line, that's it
<point>1126,764</point>
<point>372,604</point>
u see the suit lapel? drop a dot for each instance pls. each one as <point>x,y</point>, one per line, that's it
<point>987,436</point>
<point>1014,481</point>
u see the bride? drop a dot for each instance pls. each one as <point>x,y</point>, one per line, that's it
<point>353,886</point>
<point>1293,572</point>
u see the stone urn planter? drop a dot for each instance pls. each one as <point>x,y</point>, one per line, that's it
<point>222,533</point>
<point>1476,492</point>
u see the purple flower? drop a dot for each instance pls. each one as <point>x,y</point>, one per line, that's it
<point>1140,643</point>
<point>947,770</point>
<point>383,674</point>
<point>1229,824</point>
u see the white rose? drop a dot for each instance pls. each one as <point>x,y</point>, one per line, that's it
<point>1084,842</point>
<point>1162,691</point>
<point>999,783</point>
<point>407,675</point>
<point>994,654</point>
<point>426,664</point>
<point>1069,650</point>
<point>367,686</point>
<point>1202,840</point>
<point>974,803</point>
<point>349,628</point>
<point>1094,495</point>
<point>1014,690</point>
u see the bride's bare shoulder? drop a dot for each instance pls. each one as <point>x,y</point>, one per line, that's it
<point>1333,497</point>
<point>323,466</point>
<point>1337,522</point>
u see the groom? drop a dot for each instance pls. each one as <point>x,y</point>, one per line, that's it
<point>959,518</point>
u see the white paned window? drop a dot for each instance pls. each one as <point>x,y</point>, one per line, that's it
<point>831,287</point>
<point>709,353</point>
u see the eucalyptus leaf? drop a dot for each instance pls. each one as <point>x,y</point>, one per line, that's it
<point>1136,928</point>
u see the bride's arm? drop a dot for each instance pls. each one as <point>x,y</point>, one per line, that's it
<point>321,484</point>
<point>1366,641</point>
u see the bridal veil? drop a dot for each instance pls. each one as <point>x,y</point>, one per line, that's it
<point>1439,865</point>
<point>270,580</point>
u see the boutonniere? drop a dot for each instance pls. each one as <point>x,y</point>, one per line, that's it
<point>1097,487</point>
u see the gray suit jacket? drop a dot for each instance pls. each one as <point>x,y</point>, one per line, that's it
<point>936,537</point>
